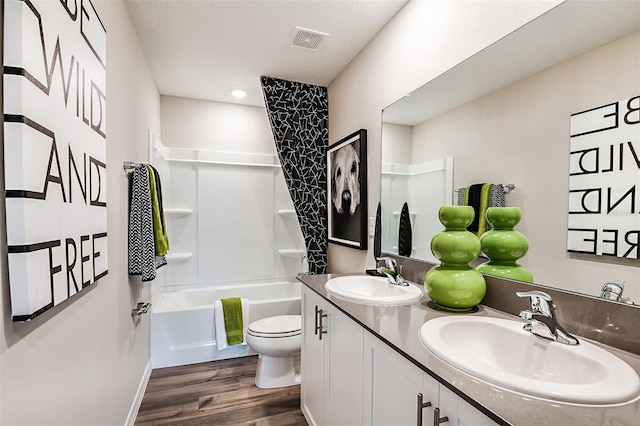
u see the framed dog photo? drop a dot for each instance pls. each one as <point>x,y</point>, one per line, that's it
<point>347,190</point>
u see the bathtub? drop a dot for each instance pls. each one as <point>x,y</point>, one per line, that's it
<point>182,324</point>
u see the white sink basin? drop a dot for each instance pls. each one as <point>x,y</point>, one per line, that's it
<point>372,290</point>
<point>500,352</point>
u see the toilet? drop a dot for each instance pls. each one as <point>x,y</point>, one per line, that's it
<point>277,340</point>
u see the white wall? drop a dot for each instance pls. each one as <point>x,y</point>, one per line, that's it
<point>398,148</point>
<point>426,38</point>
<point>235,204</point>
<point>197,124</point>
<point>82,362</point>
<point>523,138</point>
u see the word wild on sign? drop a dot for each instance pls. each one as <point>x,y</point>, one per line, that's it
<point>54,151</point>
<point>604,182</point>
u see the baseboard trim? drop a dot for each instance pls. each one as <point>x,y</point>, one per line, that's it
<point>137,401</point>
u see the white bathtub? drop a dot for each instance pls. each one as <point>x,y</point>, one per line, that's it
<point>182,324</point>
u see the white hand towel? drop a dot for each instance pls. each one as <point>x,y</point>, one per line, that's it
<point>245,319</point>
<point>221,331</point>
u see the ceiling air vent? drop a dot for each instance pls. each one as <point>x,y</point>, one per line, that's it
<point>306,39</point>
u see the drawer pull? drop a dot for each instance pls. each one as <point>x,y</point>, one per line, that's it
<point>421,406</point>
<point>321,329</point>
<point>437,419</point>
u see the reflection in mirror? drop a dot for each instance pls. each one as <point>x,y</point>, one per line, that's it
<point>424,188</point>
<point>377,243</point>
<point>504,115</point>
<point>405,241</point>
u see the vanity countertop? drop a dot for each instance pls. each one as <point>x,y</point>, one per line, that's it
<point>399,326</point>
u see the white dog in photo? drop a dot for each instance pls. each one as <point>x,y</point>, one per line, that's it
<point>345,179</point>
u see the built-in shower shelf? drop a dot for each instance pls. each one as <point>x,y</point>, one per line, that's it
<point>176,213</point>
<point>291,252</point>
<point>286,212</point>
<point>178,257</point>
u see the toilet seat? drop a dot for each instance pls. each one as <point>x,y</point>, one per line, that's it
<point>276,327</point>
<point>277,340</point>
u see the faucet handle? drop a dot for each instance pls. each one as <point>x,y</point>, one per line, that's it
<point>613,290</point>
<point>540,301</point>
<point>535,293</point>
<point>389,262</point>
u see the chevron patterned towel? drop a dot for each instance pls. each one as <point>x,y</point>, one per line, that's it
<point>496,196</point>
<point>481,196</point>
<point>142,257</point>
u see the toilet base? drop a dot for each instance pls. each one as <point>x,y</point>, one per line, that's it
<point>276,372</point>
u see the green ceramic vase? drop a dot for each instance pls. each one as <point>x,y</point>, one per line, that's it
<point>504,246</point>
<point>454,285</point>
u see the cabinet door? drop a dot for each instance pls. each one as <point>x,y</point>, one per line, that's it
<point>391,391</point>
<point>459,411</point>
<point>312,360</point>
<point>345,369</point>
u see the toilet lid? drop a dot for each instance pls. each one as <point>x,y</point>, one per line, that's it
<point>278,326</point>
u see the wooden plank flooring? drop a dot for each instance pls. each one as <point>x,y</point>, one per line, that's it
<point>217,393</point>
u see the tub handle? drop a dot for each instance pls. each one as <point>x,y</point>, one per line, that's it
<point>141,308</point>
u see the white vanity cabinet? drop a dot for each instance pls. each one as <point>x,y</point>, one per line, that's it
<point>332,374</point>
<point>396,389</point>
<point>350,377</point>
<point>392,388</point>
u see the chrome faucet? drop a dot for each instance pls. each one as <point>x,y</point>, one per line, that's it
<point>392,271</point>
<point>542,318</point>
<point>613,291</point>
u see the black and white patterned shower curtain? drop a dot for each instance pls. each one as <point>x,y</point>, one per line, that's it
<point>299,118</point>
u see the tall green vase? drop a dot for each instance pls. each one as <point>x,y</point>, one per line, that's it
<point>454,285</point>
<point>504,246</point>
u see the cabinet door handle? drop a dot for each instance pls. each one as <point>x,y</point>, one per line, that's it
<point>437,419</point>
<point>321,329</point>
<point>421,406</point>
<point>315,326</point>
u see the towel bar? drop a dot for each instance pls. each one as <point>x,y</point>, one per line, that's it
<point>128,165</point>
<point>508,187</point>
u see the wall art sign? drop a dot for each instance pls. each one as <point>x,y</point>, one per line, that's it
<point>604,180</point>
<point>54,151</point>
<point>347,189</point>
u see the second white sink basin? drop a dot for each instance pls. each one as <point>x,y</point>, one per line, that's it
<point>372,290</point>
<point>500,352</point>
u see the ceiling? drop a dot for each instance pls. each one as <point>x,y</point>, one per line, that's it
<point>203,49</point>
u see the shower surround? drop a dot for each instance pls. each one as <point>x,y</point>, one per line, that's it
<point>233,232</point>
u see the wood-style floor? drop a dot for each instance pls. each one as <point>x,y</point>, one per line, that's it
<point>217,393</point>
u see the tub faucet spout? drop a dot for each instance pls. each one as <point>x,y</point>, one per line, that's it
<point>392,271</point>
<point>542,318</point>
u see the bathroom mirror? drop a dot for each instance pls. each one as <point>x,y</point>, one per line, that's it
<point>503,116</point>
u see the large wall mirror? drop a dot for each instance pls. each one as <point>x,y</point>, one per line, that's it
<point>503,117</point>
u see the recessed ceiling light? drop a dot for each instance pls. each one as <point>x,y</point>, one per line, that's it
<point>238,93</point>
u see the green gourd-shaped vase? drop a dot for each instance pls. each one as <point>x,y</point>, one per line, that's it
<point>504,246</point>
<point>454,285</point>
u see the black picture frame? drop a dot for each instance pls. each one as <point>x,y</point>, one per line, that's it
<point>346,186</point>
